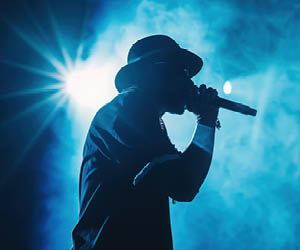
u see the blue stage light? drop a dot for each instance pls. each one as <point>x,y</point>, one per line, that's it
<point>227,87</point>
<point>90,85</point>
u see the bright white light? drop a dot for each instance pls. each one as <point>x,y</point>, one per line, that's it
<point>227,87</point>
<point>90,85</point>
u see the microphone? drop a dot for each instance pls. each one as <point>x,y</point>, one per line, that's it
<point>235,106</point>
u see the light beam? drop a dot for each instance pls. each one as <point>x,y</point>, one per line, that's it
<point>88,84</point>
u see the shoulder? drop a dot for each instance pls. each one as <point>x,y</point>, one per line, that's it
<point>125,115</point>
<point>129,107</point>
<point>107,114</point>
<point>125,101</point>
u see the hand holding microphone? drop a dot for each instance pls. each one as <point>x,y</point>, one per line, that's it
<point>201,102</point>
<point>205,103</point>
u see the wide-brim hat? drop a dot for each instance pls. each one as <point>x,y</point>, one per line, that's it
<point>151,49</point>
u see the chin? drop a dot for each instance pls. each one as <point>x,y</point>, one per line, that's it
<point>178,111</point>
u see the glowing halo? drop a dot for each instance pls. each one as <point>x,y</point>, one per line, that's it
<point>227,87</point>
<point>90,85</point>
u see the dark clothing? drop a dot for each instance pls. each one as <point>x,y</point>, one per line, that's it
<point>114,214</point>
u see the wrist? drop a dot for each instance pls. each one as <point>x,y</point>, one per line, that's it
<point>204,137</point>
<point>206,121</point>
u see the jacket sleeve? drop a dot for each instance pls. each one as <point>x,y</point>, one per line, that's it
<point>180,175</point>
<point>118,145</point>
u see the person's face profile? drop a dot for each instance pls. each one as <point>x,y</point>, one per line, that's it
<point>175,85</point>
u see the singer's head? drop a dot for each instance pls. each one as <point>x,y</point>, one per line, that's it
<point>162,69</point>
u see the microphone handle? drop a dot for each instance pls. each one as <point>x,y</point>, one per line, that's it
<point>235,106</point>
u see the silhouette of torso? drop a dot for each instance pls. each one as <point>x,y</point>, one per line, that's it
<point>124,136</point>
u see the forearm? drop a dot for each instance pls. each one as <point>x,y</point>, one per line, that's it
<point>194,163</point>
<point>181,175</point>
<point>197,157</point>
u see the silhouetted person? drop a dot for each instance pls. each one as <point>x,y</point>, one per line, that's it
<point>130,168</point>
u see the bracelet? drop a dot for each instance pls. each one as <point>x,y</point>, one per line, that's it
<point>217,123</point>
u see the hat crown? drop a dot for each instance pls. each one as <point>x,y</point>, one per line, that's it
<point>150,45</point>
<point>153,49</point>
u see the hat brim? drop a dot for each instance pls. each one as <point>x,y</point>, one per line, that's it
<point>190,61</point>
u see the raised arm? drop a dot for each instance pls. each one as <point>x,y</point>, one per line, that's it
<point>180,175</point>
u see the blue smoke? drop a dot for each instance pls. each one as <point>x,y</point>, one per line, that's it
<point>250,199</point>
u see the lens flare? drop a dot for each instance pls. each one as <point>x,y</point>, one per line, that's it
<point>88,85</point>
<point>227,88</point>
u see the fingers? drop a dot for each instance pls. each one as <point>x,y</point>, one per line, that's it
<point>211,95</point>
<point>202,90</point>
<point>201,100</point>
<point>207,95</point>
